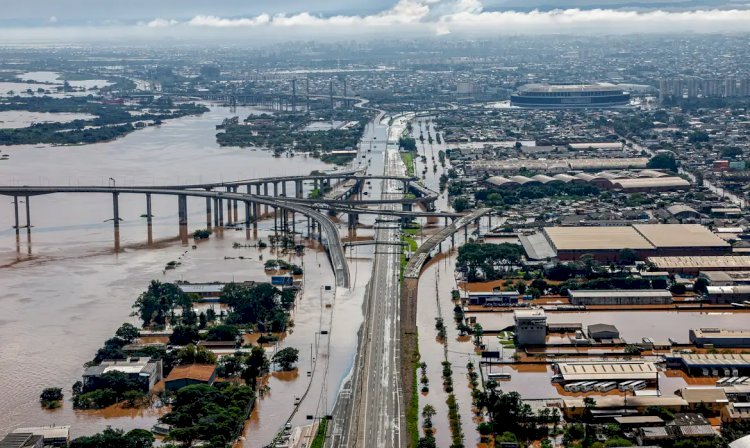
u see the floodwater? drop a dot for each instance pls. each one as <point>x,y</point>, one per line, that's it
<point>65,289</point>
<point>22,119</point>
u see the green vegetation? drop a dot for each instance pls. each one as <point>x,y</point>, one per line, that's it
<point>261,305</point>
<point>320,435</point>
<point>501,197</point>
<point>111,120</point>
<point>408,159</point>
<point>280,132</point>
<point>412,411</point>
<point>111,388</point>
<point>664,161</point>
<point>407,144</point>
<point>284,265</point>
<point>481,261</point>
<point>116,438</point>
<point>286,358</point>
<point>190,354</point>
<point>156,303</point>
<point>51,397</point>
<point>201,234</point>
<point>215,414</point>
<point>510,417</point>
<point>247,366</point>
<point>460,204</point>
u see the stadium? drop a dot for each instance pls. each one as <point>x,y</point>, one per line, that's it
<point>569,95</point>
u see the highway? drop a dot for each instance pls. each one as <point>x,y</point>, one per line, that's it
<point>381,417</point>
<point>369,411</point>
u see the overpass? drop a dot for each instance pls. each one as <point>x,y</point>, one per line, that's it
<point>408,330</point>
<point>332,241</point>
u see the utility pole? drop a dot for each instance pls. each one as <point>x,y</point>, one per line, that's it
<point>307,90</point>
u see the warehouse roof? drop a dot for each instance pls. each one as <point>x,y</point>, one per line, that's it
<point>732,289</point>
<point>198,372</point>
<point>720,333</point>
<point>605,370</point>
<point>720,261</point>
<point>619,293</point>
<point>716,359</point>
<point>638,419</point>
<point>703,394</point>
<point>596,238</point>
<point>618,401</point>
<point>679,235</point>
<point>651,182</point>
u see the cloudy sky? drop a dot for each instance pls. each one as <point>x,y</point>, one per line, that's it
<point>186,20</point>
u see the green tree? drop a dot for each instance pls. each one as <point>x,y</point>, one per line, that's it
<point>128,333</point>
<point>286,358</point>
<point>191,354</point>
<point>663,161</point>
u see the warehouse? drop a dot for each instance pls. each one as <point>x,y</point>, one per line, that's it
<point>531,326</point>
<point>728,294</point>
<point>603,332</point>
<point>620,297</point>
<point>721,338</point>
<point>607,371</point>
<point>706,364</point>
<point>646,240</point>
<point>697,264</point>
<point>726,278</point>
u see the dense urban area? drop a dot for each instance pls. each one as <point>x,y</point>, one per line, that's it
<point>502,242</point>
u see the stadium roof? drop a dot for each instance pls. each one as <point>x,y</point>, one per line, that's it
<point>551,88</point>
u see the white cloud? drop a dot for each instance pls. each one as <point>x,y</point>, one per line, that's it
<point>409,18</point>
<point>161,23</point>
<point>52,19</point>
<point>218,22</point>
<point>572,20</point>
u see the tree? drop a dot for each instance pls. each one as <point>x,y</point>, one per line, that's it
<point>460,204</point>
<point>663,161</point>
<point>191,354</point>
<point>223,333</point>
<point>116,438</point>
<point>128,333</point>
<point>700,285</point>
<point>183,335</point>
<point>50,397</point>
<point>626,257</point>
<point>286,358</point>
<point>478,332</point>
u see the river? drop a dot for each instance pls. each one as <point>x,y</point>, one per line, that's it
<point>65,289</point>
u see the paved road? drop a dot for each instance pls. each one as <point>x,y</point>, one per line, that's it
<point>381,418</point>
<point>369,409</point>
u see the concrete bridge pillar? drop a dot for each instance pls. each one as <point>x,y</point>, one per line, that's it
<point>406,207</point>
<point>229,212</point>
<point>275,189</point>
<point>220,209</point>
<point>235,206</point>
<point>316,184</point>
<point>116,209</point>
<point>265,193</point>
<point>489,222</point>
<point>28,215</point>
<point>298,187</point>
<point>216,212</point>
<point>466,234</point>
<point>15,206</point>
<point>308,227</point>
<point>182,214</point>
<point>208,213</point>
<point>294,223</point>
<point>247,214</point>
<point>255,215</point>
<point>283,188</point>
<point>353,219</point>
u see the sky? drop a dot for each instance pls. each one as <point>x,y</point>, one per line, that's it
<point>262,20</point>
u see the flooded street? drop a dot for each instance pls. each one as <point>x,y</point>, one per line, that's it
<point>65,290</point>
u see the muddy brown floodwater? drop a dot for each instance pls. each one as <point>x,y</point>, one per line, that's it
<point>65,290</point>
